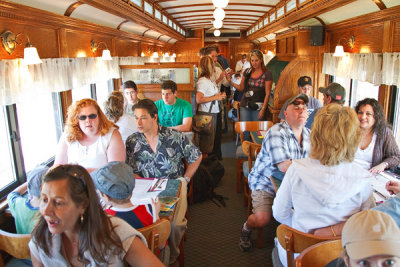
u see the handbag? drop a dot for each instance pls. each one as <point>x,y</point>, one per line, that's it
<point>203,121</point>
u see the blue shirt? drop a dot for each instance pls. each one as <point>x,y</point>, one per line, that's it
<point>279,144</point>
<point>166,162</point>
<point>391,207</point>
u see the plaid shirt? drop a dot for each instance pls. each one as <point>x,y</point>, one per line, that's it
<point>279,144</point>
<point>167,162</point>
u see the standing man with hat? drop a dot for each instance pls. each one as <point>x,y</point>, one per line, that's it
<point>304,85</point>
<point>284,142</point>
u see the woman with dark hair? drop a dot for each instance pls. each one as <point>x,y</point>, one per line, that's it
<point>89,139</point>
<point>114,110</point>
<point>378,149</point>
<point>73,230</point>
<point>207,98</point>
<point>256,87</point>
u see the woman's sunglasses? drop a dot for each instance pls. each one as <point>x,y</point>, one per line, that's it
<point>91,116</point>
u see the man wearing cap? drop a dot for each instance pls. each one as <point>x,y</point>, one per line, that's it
<point>283,143</point>
<point>174,112</point>
<point>24,209</point>
<point>304,85</point>
<point>333,93</point>
<point>158,152</point>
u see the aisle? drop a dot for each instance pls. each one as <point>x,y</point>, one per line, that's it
<point>213,232</point>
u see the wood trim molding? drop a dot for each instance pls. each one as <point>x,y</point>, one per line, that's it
<point>380,4</point>
<point>122,23</point>
<point>313,9</point>
<point>25,15</point>
<point>72,8</point>
<point>126,11</point>
<point>209,10</point>
<point>212,6</point>
<point>320,20</point>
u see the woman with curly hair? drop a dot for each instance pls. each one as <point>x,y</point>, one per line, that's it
<point>73,230</point>
<point>89,139</point>
<point>114,110</point>
<point>378,149</point>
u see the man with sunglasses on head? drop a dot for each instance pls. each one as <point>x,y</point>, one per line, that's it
<point>304,85</point>
<point>174,112</point>
<point>284,142</point>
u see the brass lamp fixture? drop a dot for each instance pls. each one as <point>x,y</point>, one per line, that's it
<point>339,51</point>
<point>106,52</point>
<point>9,41</point>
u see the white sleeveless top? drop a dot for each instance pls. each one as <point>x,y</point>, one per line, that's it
<point>127,126</point>
<point>93,156</point>
<point>364,157</point>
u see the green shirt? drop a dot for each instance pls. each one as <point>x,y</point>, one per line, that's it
<point>23,212</point>
<point>173,115</point>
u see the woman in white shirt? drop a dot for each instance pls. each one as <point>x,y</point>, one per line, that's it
<point>207,98</point>
<point>89,139</point>
<point>378,149</point>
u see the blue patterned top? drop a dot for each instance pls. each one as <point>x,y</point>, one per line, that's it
<point>172,147</point>
<point>279,144</point>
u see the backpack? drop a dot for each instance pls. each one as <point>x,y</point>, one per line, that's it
<point>205,180</point>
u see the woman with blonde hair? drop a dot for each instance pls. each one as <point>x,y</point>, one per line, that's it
<point>321,190</point>
<point>89,139</point>
<point>207,98</point>
<point>114,110</point>
<point>256,87</point>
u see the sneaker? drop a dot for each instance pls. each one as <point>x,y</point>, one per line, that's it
<point>245,240</point>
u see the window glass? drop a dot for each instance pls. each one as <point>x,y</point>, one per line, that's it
<point>170,23</point>
<point>38,123</point>
<point>346,84</point>
<point>137,2</point>
<point>148,8</point>
<point>260,25</point>
<point>266,21</point>
<point>290,5</point>
<point>6,163</point>
<point>272,17</point>
<point>164,19</point>
<point>361,90</point>
<point>174,26</point>
<point>102,92</point>
<point>81,93</point>
<point>157,14</point>
<point>256,27</point>
<point>280,12</point>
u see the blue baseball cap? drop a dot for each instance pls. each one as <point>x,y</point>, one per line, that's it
<point>34,179</point>
<point>115,179</point>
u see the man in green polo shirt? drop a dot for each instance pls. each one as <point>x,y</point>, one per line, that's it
<point>174,112</point>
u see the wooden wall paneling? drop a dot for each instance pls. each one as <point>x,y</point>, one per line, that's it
<point>126,48</point>
<point>238,47</point>
<point>188,50</point>
<point>396,37</point>
<point>66,96</point>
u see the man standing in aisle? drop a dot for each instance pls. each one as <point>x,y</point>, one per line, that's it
<point>284,142</point>
<point>242,64</point>
<point>174,112</point>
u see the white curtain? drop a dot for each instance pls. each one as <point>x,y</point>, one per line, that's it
<point>19,82</point>
<point>361,67</point>
<point>391,69</point>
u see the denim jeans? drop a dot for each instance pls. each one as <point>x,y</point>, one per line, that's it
<point>247,114</point>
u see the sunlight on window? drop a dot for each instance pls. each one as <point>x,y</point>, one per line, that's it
<point>38,130</point>
<point>361,90</point>
<point>6,165</point>
<point>81,93</point>
<point>102,92</point>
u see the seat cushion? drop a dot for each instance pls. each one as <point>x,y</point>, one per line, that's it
<point>246,170</point>
<point>239,153</point>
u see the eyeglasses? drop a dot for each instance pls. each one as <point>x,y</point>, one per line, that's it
<point>130,93</point>
<point>84,117</point>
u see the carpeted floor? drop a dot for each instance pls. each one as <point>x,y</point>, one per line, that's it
<point>213,232</point>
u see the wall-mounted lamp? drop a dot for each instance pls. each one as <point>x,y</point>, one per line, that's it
<point>166,54</point>
<point>155,54</point>
<point>339,51</point>
<point>106,52</point>
<point>173,55</point>
<point>9,42</point>
<point>142,54</point>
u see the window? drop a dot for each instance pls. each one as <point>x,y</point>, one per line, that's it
<point>280,12</point>
<point>290,5</point>
<point>137,2</point>
<point>81,93</point>
<point>174,26</point>
<point>361,90</point>
<point>6,162</point>
<point>260,25</point>
<point>272,17</point>
<point>164,19</point>
<point>40,128</point>
<point>256,27</point>
<point>148,8</point>
<point>170,23</point>
<point>266,21</point>
<point>157,14</point>
<point>102,92</point>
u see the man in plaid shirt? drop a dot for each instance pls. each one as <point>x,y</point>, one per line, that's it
<point>284,142</point>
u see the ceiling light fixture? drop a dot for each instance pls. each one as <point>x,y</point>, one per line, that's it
<point>217,24</point>
<point>339,51</point>
<point>219,14</point>
<point>217,33</point>
<point>9,41</point>
<point>220,3</point>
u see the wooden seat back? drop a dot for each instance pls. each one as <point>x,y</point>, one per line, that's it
<point>241,126</point>
<point>294,241</point>
<point>319,255</point>
<point>14,244</point>
<point>156,234</point>
<point>251,150</point>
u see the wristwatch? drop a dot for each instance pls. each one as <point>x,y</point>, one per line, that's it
<point>187,179</point>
